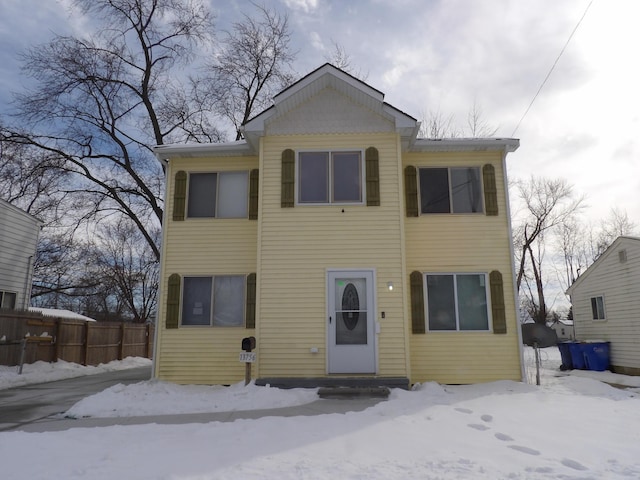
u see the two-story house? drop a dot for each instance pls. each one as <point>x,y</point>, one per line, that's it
<point>348,247</point>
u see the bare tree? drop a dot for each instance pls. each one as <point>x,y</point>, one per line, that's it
<point>613,226</point>
<point>341,59</point>
<point>253,63</point>
<point>437,125</point>
<point>546,204</point>
<point>101,102</point>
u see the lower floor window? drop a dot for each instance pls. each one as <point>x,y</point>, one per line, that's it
<point>217,301</point>
<point>7,300</point>
<point>457,301</point>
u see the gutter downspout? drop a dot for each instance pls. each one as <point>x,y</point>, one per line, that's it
<point>26,294</point>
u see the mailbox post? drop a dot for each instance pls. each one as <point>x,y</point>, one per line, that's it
<point>248,357</point>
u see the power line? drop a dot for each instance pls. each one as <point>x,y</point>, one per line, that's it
<point>552,68</point>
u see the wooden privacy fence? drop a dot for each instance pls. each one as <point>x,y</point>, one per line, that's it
<point>76,341</point>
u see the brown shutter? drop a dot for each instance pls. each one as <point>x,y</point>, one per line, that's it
<point>253,194</point>
<point>179,195</point>
<point>497,302</point>
<point>288,178</point>
<point>173,301</point>
<point>411,191</point>
<point>250,311</point>
<point>490,190</point>
<point>372,176</point>
<point>417,303</point>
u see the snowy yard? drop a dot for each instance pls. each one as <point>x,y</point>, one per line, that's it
<point>574,426</point>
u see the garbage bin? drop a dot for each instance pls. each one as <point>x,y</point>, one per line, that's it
<point>596,356</point>
<point>577,355</point>
<point>565,355</point>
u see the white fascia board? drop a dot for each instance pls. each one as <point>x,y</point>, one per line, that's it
<point>465,144</point>
<point>192,150</point>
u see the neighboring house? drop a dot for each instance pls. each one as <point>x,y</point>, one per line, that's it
<point>563,329</point>
<point>606,303</point>
<point>18,240</point>
<point>349,248</point>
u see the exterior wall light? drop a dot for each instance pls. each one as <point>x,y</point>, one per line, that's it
<point>390,286</point>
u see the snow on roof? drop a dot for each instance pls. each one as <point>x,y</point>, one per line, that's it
<point>61,313</point>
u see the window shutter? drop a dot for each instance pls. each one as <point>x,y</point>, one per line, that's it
<point>288,178</point>
<point>411,191</point>
<point>417,303</point>
<point>253,194</point>
<point>372,176</point>
<point>250,311</point>
<point>179,195</point>
<point>173,301</point>
<point>490,190</point>
<point>497,302</point>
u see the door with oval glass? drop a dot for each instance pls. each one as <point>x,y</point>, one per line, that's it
<point>351,342</point>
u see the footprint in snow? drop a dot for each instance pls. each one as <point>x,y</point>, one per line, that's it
<point>527,450</point>
<point>567,462</point>
<point>463,410</point>
<point>503,437</point>
<point>486,418</point>
<point>478,426</point>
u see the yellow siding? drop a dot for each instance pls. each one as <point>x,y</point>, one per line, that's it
<point>299,244</point>
<point>204,246</point>
<point>451,243</point>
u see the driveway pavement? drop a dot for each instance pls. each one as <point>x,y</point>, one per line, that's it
<point>38,408</point>
<point>32,404</point>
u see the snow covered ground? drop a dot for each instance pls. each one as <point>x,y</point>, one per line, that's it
<point>574,426</point>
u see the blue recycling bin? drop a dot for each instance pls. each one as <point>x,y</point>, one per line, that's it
<point>596,356</point>
<point>565,355</point>
<point>577,355</point>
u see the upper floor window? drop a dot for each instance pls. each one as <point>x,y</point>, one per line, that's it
<point>330,177</point>
<point>597,308</point>
<point>221,194</point>
<point>451,190</point>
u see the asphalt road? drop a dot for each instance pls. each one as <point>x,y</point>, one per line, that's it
<point>31,404</point>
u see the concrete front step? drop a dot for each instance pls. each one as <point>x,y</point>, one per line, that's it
<point>353,392</point>
<point>336,382</point>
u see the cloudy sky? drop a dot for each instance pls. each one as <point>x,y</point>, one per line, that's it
<point>447,55</point>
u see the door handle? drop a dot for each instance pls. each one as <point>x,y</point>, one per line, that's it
<point>329,319</point>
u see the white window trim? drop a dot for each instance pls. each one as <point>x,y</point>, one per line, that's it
<point>483,211</point>
<point>216,217</point>
<point>487,292</point>
<point>604,308</point>
<point>210,324</point>
<point>363,173</point>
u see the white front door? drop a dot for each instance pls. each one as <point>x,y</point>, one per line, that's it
<point>351,342</point>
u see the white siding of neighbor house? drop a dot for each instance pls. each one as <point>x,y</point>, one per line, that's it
<point>619,284</point>
<point>18,240</point>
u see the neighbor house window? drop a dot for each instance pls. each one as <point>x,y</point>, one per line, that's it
<point>597,308</point>
<point>330,177</point>
<point>7,300</point>
<point>457,302</point>
<point>217,301</point>
<point>450,190</point>
<point>221,194</point>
